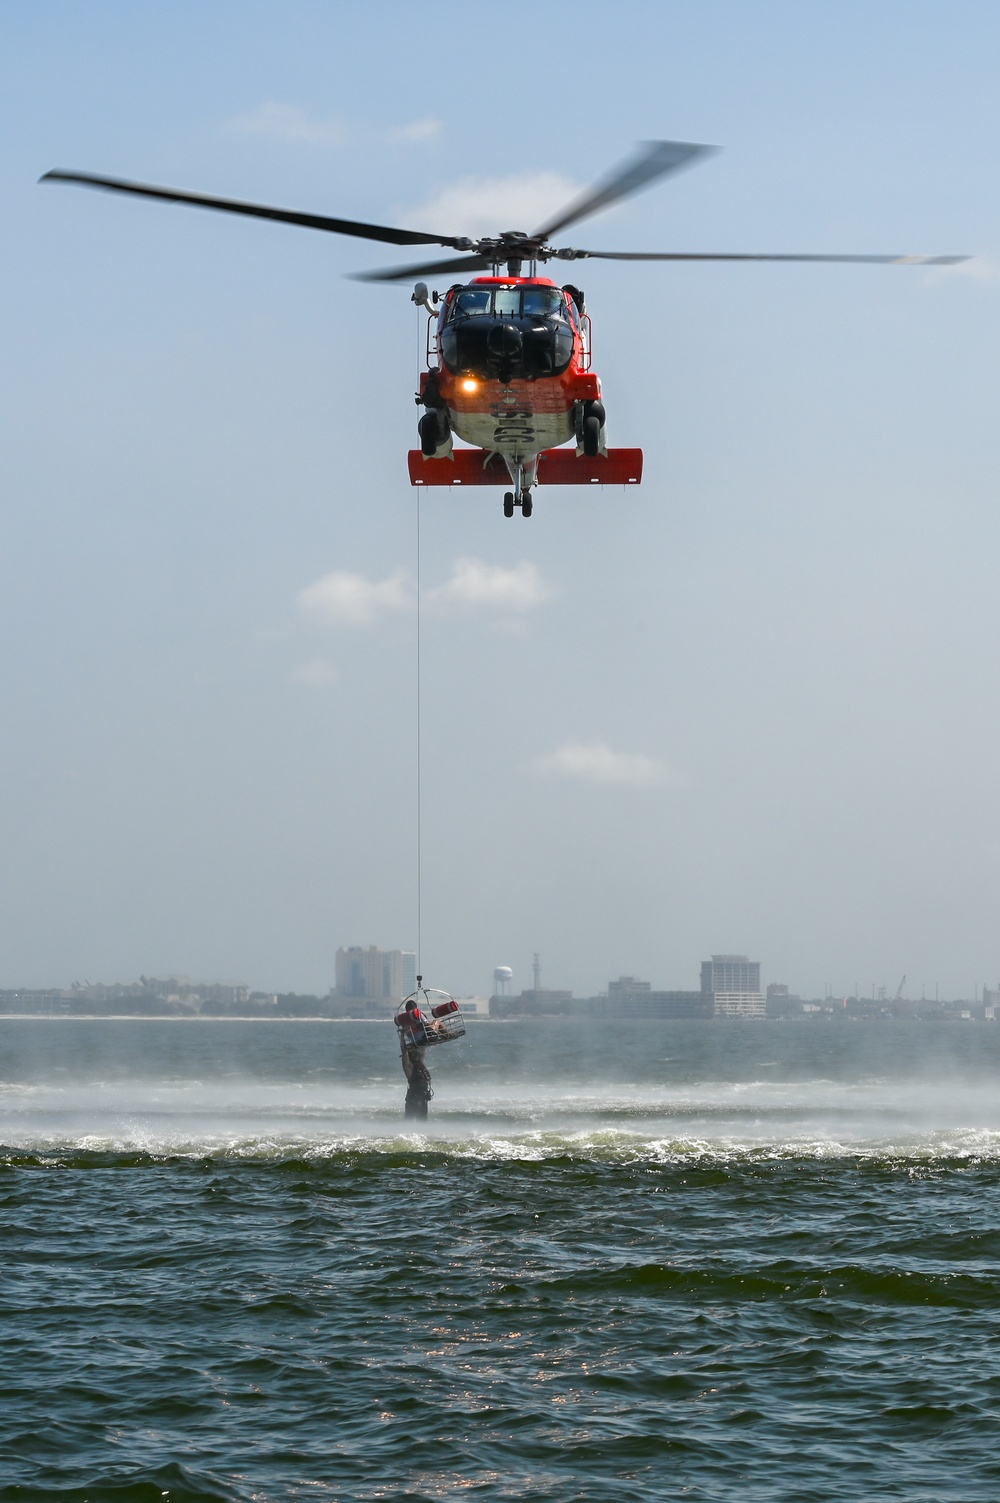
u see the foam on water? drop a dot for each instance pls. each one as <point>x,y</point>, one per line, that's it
<point>622,1122</point>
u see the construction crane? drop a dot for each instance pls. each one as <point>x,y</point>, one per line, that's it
<point>899,991</point>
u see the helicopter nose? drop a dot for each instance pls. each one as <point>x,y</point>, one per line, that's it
<point>504,341</point>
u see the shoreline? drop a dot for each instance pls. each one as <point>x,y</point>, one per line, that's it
<point>172,1017</point>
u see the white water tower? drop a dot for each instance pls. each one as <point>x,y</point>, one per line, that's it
<point>502,978</point>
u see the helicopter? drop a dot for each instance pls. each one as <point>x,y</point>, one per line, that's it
<point>509,354</point>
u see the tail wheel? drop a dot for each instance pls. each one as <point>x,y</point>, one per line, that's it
<point>526,505</point>
<point>508,504</point>
<point>428,430</point>
<point>591,436</point>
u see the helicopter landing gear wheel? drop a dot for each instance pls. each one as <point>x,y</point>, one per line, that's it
<point>526,504</point>
<point>508,504</point>
<point>429,437</point>
<point>591,436</point>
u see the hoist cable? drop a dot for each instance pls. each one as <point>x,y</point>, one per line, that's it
<point>419,873</point>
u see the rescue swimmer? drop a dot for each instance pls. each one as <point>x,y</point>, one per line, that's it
<point>438,1023</point>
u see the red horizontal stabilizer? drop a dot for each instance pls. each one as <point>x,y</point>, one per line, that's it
<point>617,467</point>
<point>555,467</point>
<point>464,468</point>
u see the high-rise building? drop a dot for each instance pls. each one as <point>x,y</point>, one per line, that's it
<point>733,983</point>
<point>730,973</point>
<point>388,975</point>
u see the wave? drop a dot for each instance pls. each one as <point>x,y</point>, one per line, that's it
<point>721,1122</point>
<point>138,1147</point>
<point>173,1482</point>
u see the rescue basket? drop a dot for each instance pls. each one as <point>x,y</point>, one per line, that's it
<point>437,1019</point>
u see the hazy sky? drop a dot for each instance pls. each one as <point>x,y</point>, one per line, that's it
<point>751,705</point>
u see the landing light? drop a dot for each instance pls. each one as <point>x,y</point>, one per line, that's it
<point>470,385</point>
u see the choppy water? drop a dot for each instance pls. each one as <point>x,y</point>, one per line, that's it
<point>709,1261</point>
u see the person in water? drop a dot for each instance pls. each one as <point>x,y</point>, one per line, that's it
<point>412,1035</point>
<point>413,1030</point>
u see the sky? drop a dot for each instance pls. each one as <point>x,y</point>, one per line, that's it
<point>751,705</point>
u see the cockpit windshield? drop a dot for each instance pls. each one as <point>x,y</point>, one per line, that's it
<point>509,302</point>
<point>471,302</point>
<point>507,333</point>
<point>543,302</point>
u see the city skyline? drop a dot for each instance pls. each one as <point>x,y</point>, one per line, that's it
<point>390,974</point>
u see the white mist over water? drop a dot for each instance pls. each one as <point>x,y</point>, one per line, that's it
<point>246,1116</point>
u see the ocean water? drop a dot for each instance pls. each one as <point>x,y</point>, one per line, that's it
<point>709,1261</point>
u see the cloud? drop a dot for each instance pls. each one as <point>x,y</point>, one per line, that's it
<point>597,763</point>
<point>292,126</point>
<point>415,132</point>
<point>486,205</point>
<point>475,584</point>
<point>343,599</point>
<point>289,124</point>
<point>315,674</point>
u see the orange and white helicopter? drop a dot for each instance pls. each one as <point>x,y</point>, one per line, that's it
<point>508,355</point>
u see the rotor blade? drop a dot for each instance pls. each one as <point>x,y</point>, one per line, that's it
<point>654,159</point>
<point>255,211</point>
<point>730,256</point>
<point>427,269</point>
